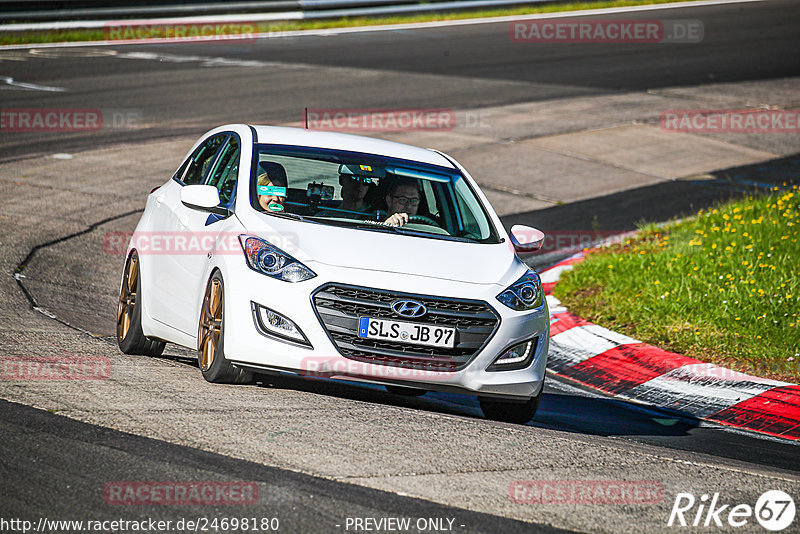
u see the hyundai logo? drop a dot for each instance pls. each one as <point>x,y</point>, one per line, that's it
<point>409,308</point>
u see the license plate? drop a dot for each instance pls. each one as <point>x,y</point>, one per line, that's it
<point>415,333</point>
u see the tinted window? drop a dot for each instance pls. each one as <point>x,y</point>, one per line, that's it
<point>223,177</point>
<point>194,169</point>
<point>366,191</point>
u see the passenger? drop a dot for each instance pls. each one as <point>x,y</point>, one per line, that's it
<point>354,189</point>
<point>402,201</point>
<point>272,185</point>
<point>352,205</point>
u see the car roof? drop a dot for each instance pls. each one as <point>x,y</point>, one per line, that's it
<point>356,143</point>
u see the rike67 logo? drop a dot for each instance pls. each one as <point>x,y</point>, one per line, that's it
<point>774,510</point>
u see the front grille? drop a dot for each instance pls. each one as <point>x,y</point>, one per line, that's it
<point>339,308</point>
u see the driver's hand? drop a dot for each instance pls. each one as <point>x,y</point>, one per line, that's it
<point>398,219</point>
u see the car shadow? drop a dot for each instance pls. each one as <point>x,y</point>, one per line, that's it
<point>560,410</point>
<point>557,411</point>
<point>609,417</point>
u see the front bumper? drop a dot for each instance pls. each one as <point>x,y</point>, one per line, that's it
<point>246,345</point>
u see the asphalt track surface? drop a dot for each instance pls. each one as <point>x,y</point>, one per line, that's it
<point>448,67</point>
<point>60,456</point>
<point>58,462</point>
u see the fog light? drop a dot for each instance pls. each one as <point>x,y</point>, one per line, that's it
<point>270,322</point>
<point>517,357</point>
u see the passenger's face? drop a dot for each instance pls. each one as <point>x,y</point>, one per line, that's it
<point>353,189</point>
<point>405,199</point>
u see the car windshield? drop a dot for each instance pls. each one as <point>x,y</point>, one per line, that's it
<point>368,192</point>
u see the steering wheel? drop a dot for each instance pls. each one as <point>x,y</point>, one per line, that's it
<point>423,219</point>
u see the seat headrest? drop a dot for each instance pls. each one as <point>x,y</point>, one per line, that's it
<point>274,171</point>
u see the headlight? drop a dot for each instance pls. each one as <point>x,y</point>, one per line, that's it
<point>272,261</point>
<point>524,294</point>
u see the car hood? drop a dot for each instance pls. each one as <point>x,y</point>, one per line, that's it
<point>379,251</point>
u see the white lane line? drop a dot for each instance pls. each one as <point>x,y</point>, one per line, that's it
<point>71,53</point>
<point>206,61</point>
<point>10,81</point>
<point>397,27</point>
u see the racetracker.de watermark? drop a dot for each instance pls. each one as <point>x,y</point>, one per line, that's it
<point>60,368</point>
<point>330,366</point>
<point>709,374</point>
<point>208,30</point>
<point>586,492</point>
<point>147,524</point>
<point>187,243</point>
<point>571,30</point>
<point>577,240</point>
<point>207,493</point>
<point>731,121</point>
<point>379,120</point>
<point>65,120</point>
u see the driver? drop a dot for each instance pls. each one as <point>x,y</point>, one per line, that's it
<point>402,201</point>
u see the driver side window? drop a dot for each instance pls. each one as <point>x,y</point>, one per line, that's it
<point>194,169</point>
<point>226,171</point>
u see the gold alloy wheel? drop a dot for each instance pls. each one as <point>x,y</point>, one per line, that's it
<point>127,298</point>
<point>210,324</point>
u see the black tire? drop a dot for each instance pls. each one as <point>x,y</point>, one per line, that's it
<point>130,338</point>
<point>211,339</point>
<point>405,392</point>
<point>509,411</point>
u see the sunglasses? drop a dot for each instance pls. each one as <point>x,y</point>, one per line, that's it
<point>407,201</point>
<point>360,180</point>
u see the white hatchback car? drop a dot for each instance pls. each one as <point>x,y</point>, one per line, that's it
<point>287,250</point>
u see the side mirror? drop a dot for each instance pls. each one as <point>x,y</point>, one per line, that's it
<point>203,198</point>
<point>526,239</point>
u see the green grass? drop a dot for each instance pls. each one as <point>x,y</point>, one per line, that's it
<point>11,38</point>
<point>722,286</point>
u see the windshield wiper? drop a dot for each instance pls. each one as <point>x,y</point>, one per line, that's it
<point>433,235</point>
<point>383,227</point>
<point>356,224</point>
<point>367,225</point>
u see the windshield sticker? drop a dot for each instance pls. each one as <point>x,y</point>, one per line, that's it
<point>274,206</point>
<point>272,190</point>
<point>410,173</point>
